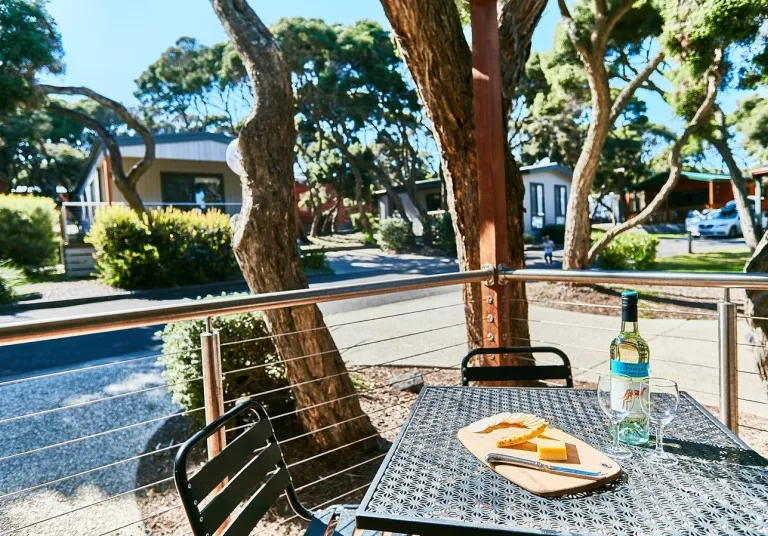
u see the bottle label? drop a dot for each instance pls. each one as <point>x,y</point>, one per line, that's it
<point>633,370</point>
<point>624,394</point>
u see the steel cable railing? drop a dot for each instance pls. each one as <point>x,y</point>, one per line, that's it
<point>142,520</point>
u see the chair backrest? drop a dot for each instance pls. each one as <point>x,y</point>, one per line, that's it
<point>254,467</point>
<point>518,372</point>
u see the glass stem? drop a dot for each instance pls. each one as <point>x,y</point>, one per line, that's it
<point>659,439</point>
<point>616,442</point>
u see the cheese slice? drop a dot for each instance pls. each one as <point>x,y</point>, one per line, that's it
<point>506,420</point>
<point>551,450</point>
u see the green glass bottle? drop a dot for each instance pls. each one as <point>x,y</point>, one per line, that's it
<point>630,356</point>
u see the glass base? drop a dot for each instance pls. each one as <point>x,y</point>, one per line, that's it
<point>621,453</point>
<point>662,458</point>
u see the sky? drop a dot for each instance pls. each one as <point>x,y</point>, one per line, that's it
<point>109,43</point>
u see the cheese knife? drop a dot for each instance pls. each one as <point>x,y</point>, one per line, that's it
<point>495,458</point>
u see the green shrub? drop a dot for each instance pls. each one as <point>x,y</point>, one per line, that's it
<point>28,231</point>
<point>555,232</point>
<point>630,251</point>
<point>314,259</point>
<point>396,234</point>
<point>369,239</point>
<point>10,279</point>
<point>528,238</point>
<point>357,225</point>
<point>166,248</point>
<point>443,234</point>
<point>253,347</point>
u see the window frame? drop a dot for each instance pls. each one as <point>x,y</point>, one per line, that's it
<point>535,203</point>
<point>164,175</point>
<point>560,211</point>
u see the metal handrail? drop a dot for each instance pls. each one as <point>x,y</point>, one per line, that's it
<point>38,330</point>
<point>757,281</point>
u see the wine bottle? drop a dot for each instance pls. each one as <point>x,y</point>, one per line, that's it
<point>630,356</point>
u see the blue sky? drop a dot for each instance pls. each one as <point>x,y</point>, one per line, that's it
<point>101,54</point>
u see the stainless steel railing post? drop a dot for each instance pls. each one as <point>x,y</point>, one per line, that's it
<point>728,354</point>
<point>213,391</point>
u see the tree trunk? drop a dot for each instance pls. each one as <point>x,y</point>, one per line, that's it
<point>125,181</point>
<point>264,237</point>
<point>430,36</point>
<point>756,307</point>
<point>739,186</point>
<point>317,220</point>
<point>577,225</point>
<point>675,164</point>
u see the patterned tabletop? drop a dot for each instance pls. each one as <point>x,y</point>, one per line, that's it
<point>430,484</point>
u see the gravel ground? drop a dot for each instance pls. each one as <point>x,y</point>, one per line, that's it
<point>19,472</point>
<point>68,290</point>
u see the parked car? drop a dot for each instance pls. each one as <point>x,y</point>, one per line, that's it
<point>721,222</point>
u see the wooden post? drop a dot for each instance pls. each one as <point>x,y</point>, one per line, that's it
<point>489,134</point>
<point>213,393</point>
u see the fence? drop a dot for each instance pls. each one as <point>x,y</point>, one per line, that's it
<point>75,463</point>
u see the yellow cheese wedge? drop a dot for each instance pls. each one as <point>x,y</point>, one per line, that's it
<point>515,436</point>
<point>551,450</point>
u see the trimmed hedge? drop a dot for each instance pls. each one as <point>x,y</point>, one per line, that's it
<point>165,248</point>
<point>10,279</point>
<point>395,234</point>
<point>182,360</point>
<point>630,251</point>
<point>28,231</point>
<point>443,234</point>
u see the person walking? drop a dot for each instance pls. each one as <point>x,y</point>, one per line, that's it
<point>549,247</point>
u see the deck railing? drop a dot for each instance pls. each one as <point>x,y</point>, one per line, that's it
<point>431,338</point>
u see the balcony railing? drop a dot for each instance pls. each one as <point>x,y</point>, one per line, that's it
<point>62,443</point>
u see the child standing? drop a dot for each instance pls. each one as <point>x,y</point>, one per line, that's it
<point>549,246</point>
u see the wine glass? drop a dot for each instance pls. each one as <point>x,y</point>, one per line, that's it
<point>616,398</point>
<point>660,402</point>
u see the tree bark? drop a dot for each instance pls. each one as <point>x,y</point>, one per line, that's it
<point>125,181</point>
<point>738,184</point>
<point>756,307</point>
<point>431,39</point>
<point>675,164</point>
<point>264,237</point>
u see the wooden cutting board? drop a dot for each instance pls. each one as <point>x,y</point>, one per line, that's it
<point>580,456</point>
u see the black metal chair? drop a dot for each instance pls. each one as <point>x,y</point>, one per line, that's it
<point>258,481</point>
<point>518,372</point>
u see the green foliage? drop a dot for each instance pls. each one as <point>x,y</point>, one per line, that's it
<point>29,45</point>
<point>165,248</point>
<point>528,238</point>
<point>369,239</point>
<point>395,234</point>
<point>555,232</point>
<point>314,259</point>
<point>254,349</point>
<point>443,233</point>
<point>751,120</point>
<point>27,231</point>
<point>357,225</point>
<point>708,261</point>
<point>11,278</point>
<point>630,251</point>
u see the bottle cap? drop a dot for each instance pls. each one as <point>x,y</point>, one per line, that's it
<point>629,306</point>
<point>629,297</point>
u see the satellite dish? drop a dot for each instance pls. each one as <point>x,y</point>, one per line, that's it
<point>234,158</point>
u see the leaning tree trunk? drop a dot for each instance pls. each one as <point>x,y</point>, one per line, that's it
<point>432,41</point>
<point>739,187</point>
<point>265,243</point>
<point>756,307</point>
<point>675,164</point>
<point>126,181</point>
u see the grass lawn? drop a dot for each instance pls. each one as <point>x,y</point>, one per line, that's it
<point>711,261</point>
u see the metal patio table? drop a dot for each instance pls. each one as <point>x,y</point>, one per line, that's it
<point>429,484</point>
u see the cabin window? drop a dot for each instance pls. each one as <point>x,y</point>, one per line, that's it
<point>561,203</point>
<point>537,205</point>
<point>433,201</point>
<point>190,189</point>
